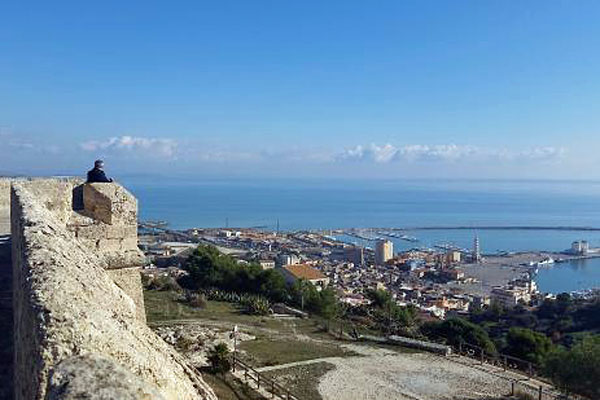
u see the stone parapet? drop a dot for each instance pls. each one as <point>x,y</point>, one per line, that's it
<point>68,304</point>
<point>4,206</point>
<point>94,377</point>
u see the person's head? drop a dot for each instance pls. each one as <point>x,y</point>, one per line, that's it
<point>99,164</point>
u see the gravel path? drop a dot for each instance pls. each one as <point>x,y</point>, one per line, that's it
<point>411,376</point>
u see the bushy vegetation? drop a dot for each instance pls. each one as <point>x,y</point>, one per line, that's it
<point>562,319</point>
<point>577,370</point>
<point>195,299</point>
<point>561,336</point>
<point>528,345</point>
<point>161,282</point>
<point>387,316</point>
<point>218,358</point>
<point>222,278</point>
<point>459,331</point>
<point>208,268</point>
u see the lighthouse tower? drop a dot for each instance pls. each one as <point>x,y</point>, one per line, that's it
<point>476,250</point>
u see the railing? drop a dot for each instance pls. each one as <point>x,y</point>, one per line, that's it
<point>269,385</point>
<point>507,363</point>
<point>504,361</point>
<point>514,364</point>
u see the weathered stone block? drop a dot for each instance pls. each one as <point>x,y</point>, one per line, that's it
<point>4,206</point>
<point>130,281</point>
<point>95,377</point>
<point>109,203</point>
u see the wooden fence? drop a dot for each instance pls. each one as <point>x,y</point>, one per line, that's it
<point>253,377</point>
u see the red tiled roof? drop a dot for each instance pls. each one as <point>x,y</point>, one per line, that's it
<point>302,271</point>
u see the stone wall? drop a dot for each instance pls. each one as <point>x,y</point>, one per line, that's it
<point>70,301</point>
<point>4,206</point>
<point>129,281</point>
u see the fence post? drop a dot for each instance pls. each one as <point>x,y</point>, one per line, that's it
<point>505,363</point>
<point>512,388</point>
<point>460,348</point>
<point>258,381</point>
<point>246,375</point>
<point>540,395</point>
<point>530,370</point>
<point>481,356</point>
<point>272,389</point>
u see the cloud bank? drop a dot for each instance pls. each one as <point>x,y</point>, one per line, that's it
<point>166,148</point>
<point>445,152</point>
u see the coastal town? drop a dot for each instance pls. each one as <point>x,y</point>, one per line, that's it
<point>442,281</point>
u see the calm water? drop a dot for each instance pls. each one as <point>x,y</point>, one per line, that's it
<point>406,204</point>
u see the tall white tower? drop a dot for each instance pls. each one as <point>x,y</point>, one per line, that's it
<point>384,251</point>
<point>476,250</point>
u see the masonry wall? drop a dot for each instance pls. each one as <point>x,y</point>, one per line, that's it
<point>71,305</point>
<point>4,206</point>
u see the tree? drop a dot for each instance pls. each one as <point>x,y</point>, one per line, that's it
<point>577,370</point>
<point>391,317</point>
<point>208,268</point>
<point>459,331</point>
<point>328,304</point>
<point>379,298</point>
<point>273,285</point>
<point>218,358</point>
<point>528,345</point>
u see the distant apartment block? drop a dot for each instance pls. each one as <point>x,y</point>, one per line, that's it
<point>355,255</point>
<point>288,259</point>
<point>384,251</point>
<point>453,257</point>
<point>580,247</point>
<point>511,295</point>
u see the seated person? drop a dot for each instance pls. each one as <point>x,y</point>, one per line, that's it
<point>97,174</point>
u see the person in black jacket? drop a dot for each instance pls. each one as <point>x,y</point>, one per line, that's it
<point>97,174</point>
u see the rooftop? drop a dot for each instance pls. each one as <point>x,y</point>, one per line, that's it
<point>302,271</point>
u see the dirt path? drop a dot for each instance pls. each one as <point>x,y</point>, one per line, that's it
<point>380,373</point>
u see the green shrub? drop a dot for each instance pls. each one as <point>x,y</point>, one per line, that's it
<point>196,300</point>
<point>218,358</point>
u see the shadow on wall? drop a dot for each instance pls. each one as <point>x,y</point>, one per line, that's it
<point>78,205</point>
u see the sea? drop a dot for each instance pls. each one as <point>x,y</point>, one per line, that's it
<point>411,205</point>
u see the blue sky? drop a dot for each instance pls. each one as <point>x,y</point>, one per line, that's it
<point>468,89</point>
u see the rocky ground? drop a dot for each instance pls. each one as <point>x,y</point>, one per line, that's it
<point>194,341</point>
<point>383,374</point>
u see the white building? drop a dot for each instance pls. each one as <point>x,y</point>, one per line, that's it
<point>384,251</point>
<point>288,259</point>
<point>580,247</point>
<point>267,264</point>
<point>520,291</point>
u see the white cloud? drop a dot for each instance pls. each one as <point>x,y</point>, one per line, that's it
<point>543,153</point>
<point>151,146</point>
<point>379,154</point>
<point>444,152</point>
